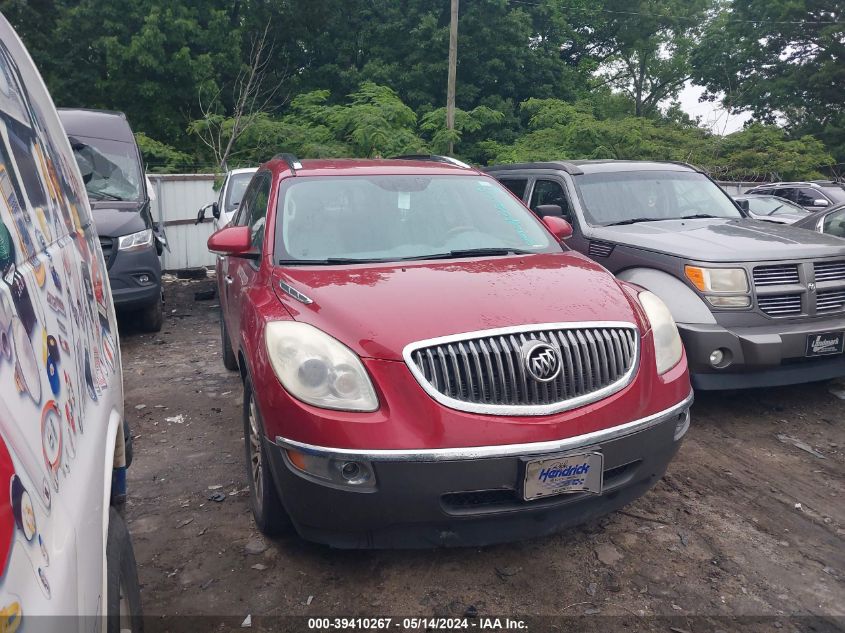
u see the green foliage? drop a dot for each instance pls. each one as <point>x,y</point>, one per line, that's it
<point>765,152</point>
<point>536,80</point>
<point>376,123</point>
<point>161,158</point>
<point>781,59</point>
<point>470,124</point>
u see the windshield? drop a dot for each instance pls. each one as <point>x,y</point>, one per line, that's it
<point>110,169</point>
<point>611,198</point>
<point>389,218</point>
<point>772,205</point>
<point>235,190</point>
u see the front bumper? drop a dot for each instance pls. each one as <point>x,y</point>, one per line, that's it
<point>126,269</point>
<point>768,356</point>
<point>470,496</point>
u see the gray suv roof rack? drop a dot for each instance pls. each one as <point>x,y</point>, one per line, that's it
<point>291,160</point>
<point>435,158</point>
<point>569,168</point>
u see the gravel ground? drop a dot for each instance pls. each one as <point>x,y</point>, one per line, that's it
<point>747,528</point>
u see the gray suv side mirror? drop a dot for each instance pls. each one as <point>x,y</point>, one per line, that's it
<point>821,202</point>
<point>545,210</point>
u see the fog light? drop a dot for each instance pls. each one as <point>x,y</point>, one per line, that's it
<point>730,302</point>
<point>716,357</point>
<point>350,471</point>
<point>682,425</point>
<point>337,472</point>
<point>354,473</point>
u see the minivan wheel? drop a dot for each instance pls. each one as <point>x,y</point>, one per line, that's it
<point>124,594</point>
<point>270,516</point>
<point>151,317</point>
<point>230,361</point>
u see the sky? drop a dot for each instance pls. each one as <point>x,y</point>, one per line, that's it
<point>712,115</point>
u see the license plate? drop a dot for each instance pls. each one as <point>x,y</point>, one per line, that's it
<point>561,475</point>
<point>825,343</point>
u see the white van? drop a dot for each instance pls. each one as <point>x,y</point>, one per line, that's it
<point>64,547</point>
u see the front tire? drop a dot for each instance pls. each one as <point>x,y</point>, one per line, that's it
<point>230,361</point>
<point>151,317</point>
<point>267,509</point>
<point>124,594</point>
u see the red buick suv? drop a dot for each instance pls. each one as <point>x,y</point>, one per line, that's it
<point>425,363</point>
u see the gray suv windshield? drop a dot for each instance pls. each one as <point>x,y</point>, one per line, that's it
<point>622,197</point>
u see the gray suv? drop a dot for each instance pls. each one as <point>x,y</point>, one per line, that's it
<point>812,195</point>
<point>758,304</point>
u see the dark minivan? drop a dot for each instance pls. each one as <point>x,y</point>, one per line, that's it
<point>110,162</point>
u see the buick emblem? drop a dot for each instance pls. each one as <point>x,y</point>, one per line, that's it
<point>542,361</point>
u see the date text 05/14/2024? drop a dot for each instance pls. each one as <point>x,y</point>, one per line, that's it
<point>415,624</point>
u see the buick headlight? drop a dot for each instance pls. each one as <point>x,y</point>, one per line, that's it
<point>318,369</point>
<point>667,342</point>
<point>717,279</point>
<point>135,241</point>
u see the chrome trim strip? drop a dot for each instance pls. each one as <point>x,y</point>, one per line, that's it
<point>526,409</point>
<point>293,292</point>
<point>483,452</point>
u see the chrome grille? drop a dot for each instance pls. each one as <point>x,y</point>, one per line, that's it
<point>776,275</point>
<point>485,371</point>
<point>780,305</point>
<point>830,301</point>
<point>830,271</point>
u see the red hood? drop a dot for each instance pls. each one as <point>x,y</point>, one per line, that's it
<point>377,309</point>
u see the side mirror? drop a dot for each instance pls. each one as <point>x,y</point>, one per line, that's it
<point>215,211</point>
<point>559,227</point>
<point>744,205</point>
<point>234,241</point>
<point>821,202</point>
<point>546,210</point>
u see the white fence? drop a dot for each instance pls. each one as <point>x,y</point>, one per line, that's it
<point>178,197</point>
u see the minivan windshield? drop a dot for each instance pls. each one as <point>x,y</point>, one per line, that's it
<point>235,190</point>
<point>110,169</point>
<point>638,196</point>
<point>394,217</point>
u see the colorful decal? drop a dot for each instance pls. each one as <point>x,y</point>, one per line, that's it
<point>58,349</point>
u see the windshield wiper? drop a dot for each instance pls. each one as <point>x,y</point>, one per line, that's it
<point>471,252</point>
<point>329,261</point>
<point>636,220</point>
<point>102,195</point>
<point>702,216</point>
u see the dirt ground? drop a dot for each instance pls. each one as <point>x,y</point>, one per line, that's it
<point>748,522</point>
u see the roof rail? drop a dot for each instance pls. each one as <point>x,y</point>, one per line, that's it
<point>435,158</point>
<point>570,168</point>
<point>291,160</point>
<point>803,183</point>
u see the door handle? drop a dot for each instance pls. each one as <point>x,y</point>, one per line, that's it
<point>228,279</point>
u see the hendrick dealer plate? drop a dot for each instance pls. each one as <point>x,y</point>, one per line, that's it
<point>561,475</point>
<point>825,343</point>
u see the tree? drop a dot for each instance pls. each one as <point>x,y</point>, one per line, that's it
<point>781,59</point>
<point>648,47</point>
<point>251,100</point>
